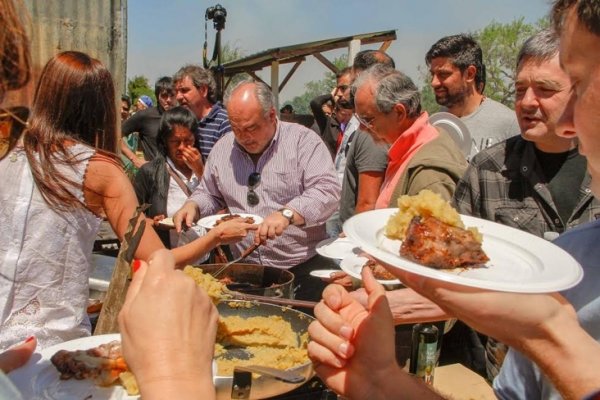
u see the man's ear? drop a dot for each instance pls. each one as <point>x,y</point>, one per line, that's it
<point>400,111</point>
<point>470,73</point>
<point>203,90</point>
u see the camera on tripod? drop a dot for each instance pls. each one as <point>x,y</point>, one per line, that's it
<point>218,14</point>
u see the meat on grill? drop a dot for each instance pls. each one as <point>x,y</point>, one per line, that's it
<point>436,244</point>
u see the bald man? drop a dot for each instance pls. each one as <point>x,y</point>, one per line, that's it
<point>277,170</point>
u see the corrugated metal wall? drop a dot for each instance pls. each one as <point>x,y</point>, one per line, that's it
<point>96,27</point>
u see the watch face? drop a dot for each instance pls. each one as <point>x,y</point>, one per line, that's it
<point>288,213</point>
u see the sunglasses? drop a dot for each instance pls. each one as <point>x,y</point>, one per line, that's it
<point>253,181</point>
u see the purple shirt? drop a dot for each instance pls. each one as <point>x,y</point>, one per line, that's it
<point>296,172</point>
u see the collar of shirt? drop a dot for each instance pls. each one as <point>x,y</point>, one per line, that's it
<point>190,183</point>
<point>214,110</point>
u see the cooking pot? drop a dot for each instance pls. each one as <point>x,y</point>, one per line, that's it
<point>263,386</point>
<point>255,279</point>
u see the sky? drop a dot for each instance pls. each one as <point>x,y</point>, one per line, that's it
<point>165,35</point>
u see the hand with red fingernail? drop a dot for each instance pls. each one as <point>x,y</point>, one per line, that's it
<point>18,355</point>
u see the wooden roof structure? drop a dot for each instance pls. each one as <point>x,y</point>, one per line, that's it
<point>297,54</point>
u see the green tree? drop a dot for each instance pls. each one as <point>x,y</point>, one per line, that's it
<point>230,53</point>
<point>138,86</point>
<point>500,44</point>
<point>428,102</point>
<point>313,89</point>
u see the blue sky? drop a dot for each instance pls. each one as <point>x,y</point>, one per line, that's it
<point>164,35</point>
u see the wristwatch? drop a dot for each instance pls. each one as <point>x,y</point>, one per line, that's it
<point>289,214</point>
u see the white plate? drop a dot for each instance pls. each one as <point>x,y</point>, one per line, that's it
<point>336,247</point>
<point>39,379</point>
<point>455,127</point>
<point>352,264</point>
<point>209,222</point>
<point>519,262</point>
<point>323,273</point>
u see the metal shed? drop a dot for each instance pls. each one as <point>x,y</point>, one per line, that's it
<point>96,27</point>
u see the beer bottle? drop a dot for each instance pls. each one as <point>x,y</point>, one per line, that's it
<point>424,351</point>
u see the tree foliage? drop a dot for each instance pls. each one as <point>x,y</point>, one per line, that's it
<point>138,86</point>
<point>500,44</point>
<point>301,103</point>
<point>230,53</point>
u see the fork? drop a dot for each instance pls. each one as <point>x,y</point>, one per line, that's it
<point>245,254</point>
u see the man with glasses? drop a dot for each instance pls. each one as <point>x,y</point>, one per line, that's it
<point>280,171</point>
<point>388,107</point>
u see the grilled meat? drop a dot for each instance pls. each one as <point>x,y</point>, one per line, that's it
<point>228,217</point>
<point>379,272</point>
<point>438,245</point>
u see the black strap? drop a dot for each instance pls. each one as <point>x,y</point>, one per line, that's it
<point>179,181</point>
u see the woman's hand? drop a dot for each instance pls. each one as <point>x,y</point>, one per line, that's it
<point>232,231</point>
<point>18,355</point>
<point>168,326</point>
<point>193,159</point>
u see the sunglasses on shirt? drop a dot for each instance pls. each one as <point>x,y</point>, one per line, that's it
<point>253,181</point>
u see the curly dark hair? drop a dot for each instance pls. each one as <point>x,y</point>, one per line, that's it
<point>463,51</point>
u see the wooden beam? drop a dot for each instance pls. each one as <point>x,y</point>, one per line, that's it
<point>326,62</point>
<point>353,48</point>
<point>256,77</point>
<point>384,46</point>
<point>289,75</point>
<point>227,83</point>
<point>275,83</point>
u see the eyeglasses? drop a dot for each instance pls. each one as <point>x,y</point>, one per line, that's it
<point>368,122</point>
<point>179,142</point>
<point>253,181</point>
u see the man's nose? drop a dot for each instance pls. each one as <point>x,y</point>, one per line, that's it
<point>435,82</point>
<point>529,99</point>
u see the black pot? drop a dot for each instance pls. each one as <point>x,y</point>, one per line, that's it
<point>255,279</point>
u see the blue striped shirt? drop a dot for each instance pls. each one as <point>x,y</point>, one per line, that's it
<point>296,172</point>
<point>211,128</point>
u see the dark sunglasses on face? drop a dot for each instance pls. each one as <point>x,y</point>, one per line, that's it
<point>253,181</point>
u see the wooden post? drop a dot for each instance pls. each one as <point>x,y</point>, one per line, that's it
<point>121,276</point>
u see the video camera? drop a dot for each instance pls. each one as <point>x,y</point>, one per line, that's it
<point>218,14</point>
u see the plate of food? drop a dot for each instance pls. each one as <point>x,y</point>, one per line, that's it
<point>353,264</point>
<point>485,255</point>
<point>337,248</point>
<point>40,379</point>
<point>213,220</point>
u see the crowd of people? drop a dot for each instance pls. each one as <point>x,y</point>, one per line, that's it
<point>534,169</point>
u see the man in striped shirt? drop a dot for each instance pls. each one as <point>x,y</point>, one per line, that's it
<point>277,170</point>
<point>196,89</point>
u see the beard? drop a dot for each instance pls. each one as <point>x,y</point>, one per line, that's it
<point>452,98</point>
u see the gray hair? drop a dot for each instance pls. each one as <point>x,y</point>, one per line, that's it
<point>391,87</point>
<point>543,46</point>
<point>263,94</point>
<point>200,77</point>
